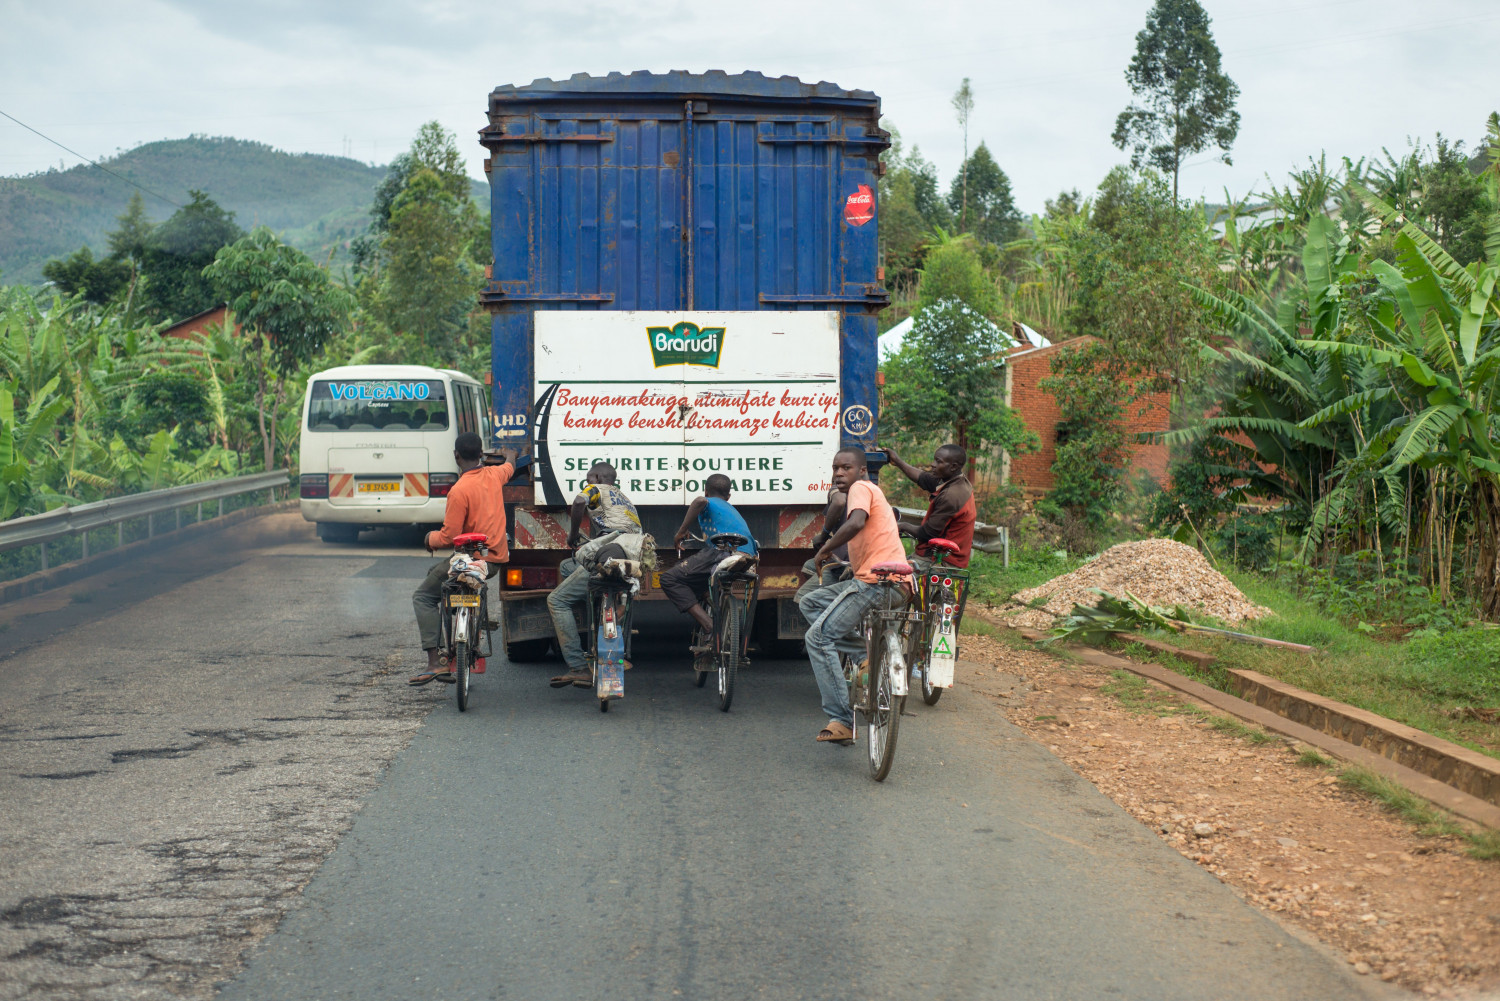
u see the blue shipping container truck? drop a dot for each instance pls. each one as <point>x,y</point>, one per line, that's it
<point>686,281</point>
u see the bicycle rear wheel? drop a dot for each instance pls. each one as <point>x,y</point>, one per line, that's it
<point>463,659</point>
<point>882,708</point>
<point>728,613</point>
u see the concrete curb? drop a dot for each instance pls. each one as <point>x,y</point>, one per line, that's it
<point>67,573</point>
<point>1458,766</point>
<point>1455,801</point>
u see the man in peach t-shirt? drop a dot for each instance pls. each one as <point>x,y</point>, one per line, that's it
<point>836,612</point>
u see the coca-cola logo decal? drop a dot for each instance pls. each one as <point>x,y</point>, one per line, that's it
<point>859,208</point>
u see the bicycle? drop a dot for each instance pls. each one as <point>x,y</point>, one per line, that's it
<point>878,685</point>
<point>464,611</point>
<point>732,590</point>
<point>941,592</point>
<point>612,590</point>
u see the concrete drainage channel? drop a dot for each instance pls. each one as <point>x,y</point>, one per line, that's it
<point>1464,782</point>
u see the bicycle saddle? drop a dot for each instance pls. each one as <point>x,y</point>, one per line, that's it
<point>892,568</point>
<point>469,538</point>
<point>944,545</point>
<point>729,539</point>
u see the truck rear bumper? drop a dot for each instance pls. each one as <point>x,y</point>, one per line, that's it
<point>526,617</point>
<point>429,512</point>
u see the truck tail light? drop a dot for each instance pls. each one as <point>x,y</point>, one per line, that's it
<point>531,578</point>
<point>314,486</point>
<point>438,484</point>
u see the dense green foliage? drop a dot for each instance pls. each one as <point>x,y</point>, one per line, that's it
<point>1358,389</point>
<point>95,401</point>
<point>1092,385</point>
<point>175,254</point>
<point>421,267</point>
<point>288,308</point>
<point>944,384</point>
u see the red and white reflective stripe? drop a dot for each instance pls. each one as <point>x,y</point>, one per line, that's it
<point>798,526</point>
<point>541,529</point>
<point>341,485</point>
<point>415,485</point>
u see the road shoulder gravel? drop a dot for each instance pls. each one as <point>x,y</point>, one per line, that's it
<point>1397,905</point>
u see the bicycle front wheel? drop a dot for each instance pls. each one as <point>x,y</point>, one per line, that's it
<point>463,659</point>
<point>882,708</point>
<point>727,614</point>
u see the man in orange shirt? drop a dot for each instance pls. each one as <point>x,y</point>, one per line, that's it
<point>476,503</point>
<point>836,612</point>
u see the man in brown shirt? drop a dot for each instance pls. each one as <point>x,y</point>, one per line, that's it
<point>476,503</point>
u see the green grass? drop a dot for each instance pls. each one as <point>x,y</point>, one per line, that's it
<point>1137,695</point>
<point>1420,682</point>
<point>1235,728</point>
<point>992,583</point>
<point>1428,819</point>
<point>1312,759</point>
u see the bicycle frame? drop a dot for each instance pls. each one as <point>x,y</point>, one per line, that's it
<point>894,625</point>
<point>610,608</point>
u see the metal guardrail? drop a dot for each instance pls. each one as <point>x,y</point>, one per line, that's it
<point>987,538</point>
<point>40,529</point>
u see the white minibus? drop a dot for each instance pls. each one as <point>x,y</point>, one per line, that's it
<point>377,445</point>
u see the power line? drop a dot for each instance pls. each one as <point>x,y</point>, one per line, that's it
<point>96,163</point>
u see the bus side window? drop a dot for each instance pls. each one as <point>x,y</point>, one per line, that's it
<point>464,406</point>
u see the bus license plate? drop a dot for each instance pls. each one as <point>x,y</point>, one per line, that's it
<point>463,601</point>
<point>380,487</point>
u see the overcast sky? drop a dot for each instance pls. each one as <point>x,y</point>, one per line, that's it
<point>1345,76</point>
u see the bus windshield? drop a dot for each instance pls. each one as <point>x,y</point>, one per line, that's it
<point>378,405</point>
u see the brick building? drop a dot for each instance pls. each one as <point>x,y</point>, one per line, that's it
<point>1025,368</point>
<point>199,323</point>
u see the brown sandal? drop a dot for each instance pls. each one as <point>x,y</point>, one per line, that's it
<point>836,732</point>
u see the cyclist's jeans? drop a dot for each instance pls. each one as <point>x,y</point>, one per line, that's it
<point>427,598</point>
<point>572,593</point>
<point>837,614</point>
<point>831,573</point>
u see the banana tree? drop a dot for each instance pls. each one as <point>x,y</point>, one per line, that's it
<point>25,450</point>
<point>1435,336</point>
<point>1270,384</point>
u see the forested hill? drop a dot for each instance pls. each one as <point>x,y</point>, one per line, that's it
<point>316,202</point>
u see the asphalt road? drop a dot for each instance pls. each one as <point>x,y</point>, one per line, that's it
<point>174,770</point>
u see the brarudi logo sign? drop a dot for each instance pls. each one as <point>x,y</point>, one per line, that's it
<point>686,344</point>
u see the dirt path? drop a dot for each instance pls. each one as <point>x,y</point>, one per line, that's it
<point>1400,906</point>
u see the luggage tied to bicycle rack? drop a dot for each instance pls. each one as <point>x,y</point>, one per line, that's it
<point>735,562</point>
<point>639,547</point>
<point>468,570</point>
